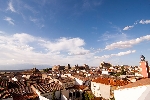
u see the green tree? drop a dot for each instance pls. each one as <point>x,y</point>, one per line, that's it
<point>91,96</point>
<point>46,70</point>
<point>118,74</point>
<point>86,96</point>
<point>53,95</point>
<point>123,72</point>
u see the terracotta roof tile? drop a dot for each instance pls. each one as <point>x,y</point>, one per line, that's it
<point>140,82</point>
<point>81,87</point>
<point>110,81</point>
<point>45,88</point>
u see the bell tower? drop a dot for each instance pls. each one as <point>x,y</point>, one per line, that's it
<point>144,68</point>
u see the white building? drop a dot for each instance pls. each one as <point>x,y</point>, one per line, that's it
<point>14,79</point>
<point>78,81</point>
<point>100,90</point>
<point>26,76</point>
<point>104,87</point>
<point>105,72</point>
<point>139,90</point>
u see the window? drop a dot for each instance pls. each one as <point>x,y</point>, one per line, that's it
<point>73,93</point>
<point>70,95</point>
<point>66,85</point>
<point>77,94</point>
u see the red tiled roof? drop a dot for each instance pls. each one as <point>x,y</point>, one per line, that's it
<point>66,79</point>
<point>140,82</point>
<point>81,87</point>
<point>11,88</point>
<point>45,88</point>
<point>110,81</point>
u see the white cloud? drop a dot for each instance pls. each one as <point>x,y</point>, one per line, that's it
<point>10,20</point>
<point>1,32</point>
<point>118,35</point>
<point>27,49</point>
<point>72,45</point>
<point>33,19</point>
<point>23,38</point>
<point>79,51</point>
<point>135,23</point>
<point>36,22</point>
<point>128,27</point>
<point>22,48</point>
<point>95,28</point>
<point>144,22</point>
<point>127,44</point>
<point>118,54</point>
<point>107,36</point>
<point>30,8</point>
<point>124,53</point>
<point>10,7</point>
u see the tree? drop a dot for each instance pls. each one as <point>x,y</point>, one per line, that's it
<point>53,95</point>
<point>88,96</point>
<point>47,69</point>
<point>123,72</point>
<point>118,74</point>
<point>85,96</point>
<point>106,65</point>
<point>91,96</point>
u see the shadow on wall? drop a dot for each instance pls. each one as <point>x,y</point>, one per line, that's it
<point>145,95</point>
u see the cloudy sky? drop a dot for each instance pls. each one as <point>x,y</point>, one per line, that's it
<point>51,32</point>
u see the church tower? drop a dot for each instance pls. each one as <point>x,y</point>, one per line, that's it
<point>144,68</point>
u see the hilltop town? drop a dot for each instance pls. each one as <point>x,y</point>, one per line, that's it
<point>105,82</point>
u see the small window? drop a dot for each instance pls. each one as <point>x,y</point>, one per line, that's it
<point>70,95</point>
<point>73,93</point>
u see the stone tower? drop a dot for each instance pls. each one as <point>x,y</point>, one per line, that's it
<point>144,68</point>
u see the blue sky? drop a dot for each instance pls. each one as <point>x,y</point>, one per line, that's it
<point>51,32</point>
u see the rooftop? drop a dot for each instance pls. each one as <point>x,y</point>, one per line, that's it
<point>110,81</point>
<point>141,82</point>
<point>65,79</point>
<point>46,88</point>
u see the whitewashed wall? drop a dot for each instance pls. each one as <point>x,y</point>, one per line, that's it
<point>14,79</point>
<point>95,88</point>
<point>135,93</point>
<point>78,81</point>
<point>99,89</point>
<point>105,72</point>
<point>65,75</point>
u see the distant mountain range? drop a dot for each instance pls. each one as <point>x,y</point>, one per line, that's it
<point>22,67</point>
<point>11,70</point>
